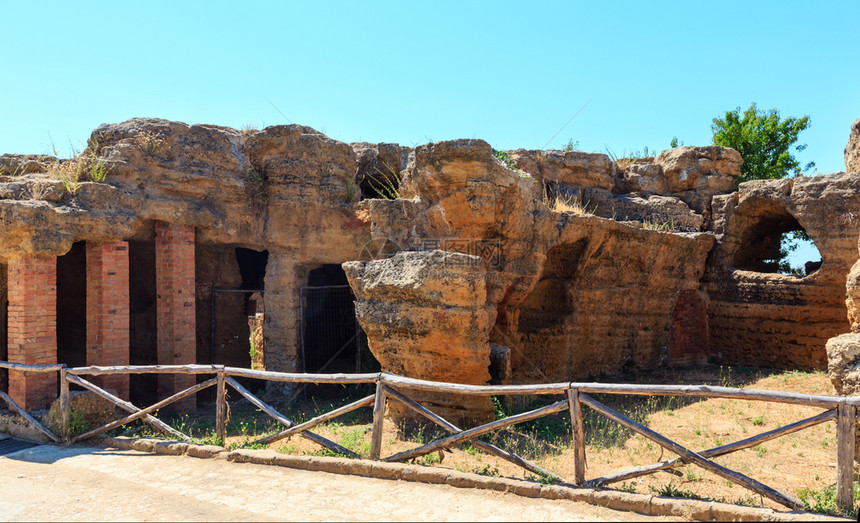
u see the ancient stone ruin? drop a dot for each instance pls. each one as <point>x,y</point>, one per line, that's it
<point>163,242</point>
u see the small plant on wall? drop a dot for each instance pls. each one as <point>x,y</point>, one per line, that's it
<point>385,182</point>
<point>509,162</point>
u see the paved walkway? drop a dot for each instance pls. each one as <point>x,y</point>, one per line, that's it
<point>86,484</point>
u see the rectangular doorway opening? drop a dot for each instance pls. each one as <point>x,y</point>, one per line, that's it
<point>332,341</point>
<point>143,320</point>
<point>72,306</point>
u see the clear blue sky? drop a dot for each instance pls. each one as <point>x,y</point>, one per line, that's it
<point>512,74</point>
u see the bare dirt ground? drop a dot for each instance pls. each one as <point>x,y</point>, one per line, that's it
<point>49,483</point>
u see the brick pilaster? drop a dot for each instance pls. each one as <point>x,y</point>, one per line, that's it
<point>32,331</point>
<point>108,311</point>
<point>175,288</point>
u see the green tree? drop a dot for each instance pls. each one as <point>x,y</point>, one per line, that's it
<point>764,140</point>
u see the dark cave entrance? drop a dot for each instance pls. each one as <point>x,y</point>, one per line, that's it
<point>252,267</point>
<point>777,243</point>
<point>143,320</point>
<point>72,306</point>
<point>229,290</point>
<point>382,184</point>
<point>331,338</point>
<point>234,300</point>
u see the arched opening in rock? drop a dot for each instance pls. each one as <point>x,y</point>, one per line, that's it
<point>143,319</point>
<point>549,304</point>
<point>72,306</point>
<point>332,339</point>
<point>777,243</point>
<point>4,319</point>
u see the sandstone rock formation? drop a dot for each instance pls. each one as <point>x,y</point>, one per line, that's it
<point>559,285</point>
<point>567,168</point>
<point>604,300</point>
<point>425,317</point>
<point>21,164</point>
<point>764,318</point>
<point>379,167</point>
<point>852,150</point>
<point>257,341</point>
<point>655,259</point>
<point>843,351</point>
<point>843,363</point>
<point>654,211</point>
<point>675,188</point>
<point>697,174</point>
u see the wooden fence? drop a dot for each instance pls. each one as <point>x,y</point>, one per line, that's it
<point>390,387</point>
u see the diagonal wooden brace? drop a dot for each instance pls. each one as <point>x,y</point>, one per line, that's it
<point>155,422</point>
<point>689,455</point>
<point>280,418</point>
<point>717,451</point>
<point>483,445</point>
<point>468,435</point>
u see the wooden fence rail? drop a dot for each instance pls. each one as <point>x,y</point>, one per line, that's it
<point>390,387</point>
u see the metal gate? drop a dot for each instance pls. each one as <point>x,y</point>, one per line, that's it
<point>331,338</point>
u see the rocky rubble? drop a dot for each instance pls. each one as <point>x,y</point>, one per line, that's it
<point>675,188</point>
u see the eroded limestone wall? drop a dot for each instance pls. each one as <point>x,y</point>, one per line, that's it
<point>764,318</point>
<point>605,300</point>
<point>571,291</point>
<point>281,322</point>
<point>570,294</point>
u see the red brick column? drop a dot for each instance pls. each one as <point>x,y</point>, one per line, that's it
<point>108,311</point>
<point>175,288</point>
<point>689,335</point>
<point>32,333</point>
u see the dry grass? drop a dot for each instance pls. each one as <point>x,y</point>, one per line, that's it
<point>37,190</point>
<point>73,172</point>
<point>249,129</point>
<point>563,203</point>
<point>70,172</point>
<point>149,142</point>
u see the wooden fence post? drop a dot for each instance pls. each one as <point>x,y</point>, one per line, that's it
<point>65,404</point>
<point>378,420</point>
<point>845,456</point>
<point>578,429</point>
<point>221,408</point>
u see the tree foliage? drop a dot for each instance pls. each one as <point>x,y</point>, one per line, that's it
<point>766,142</point>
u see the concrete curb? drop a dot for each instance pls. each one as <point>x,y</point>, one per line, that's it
<point>641,503</point>
<point>160,446</point>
